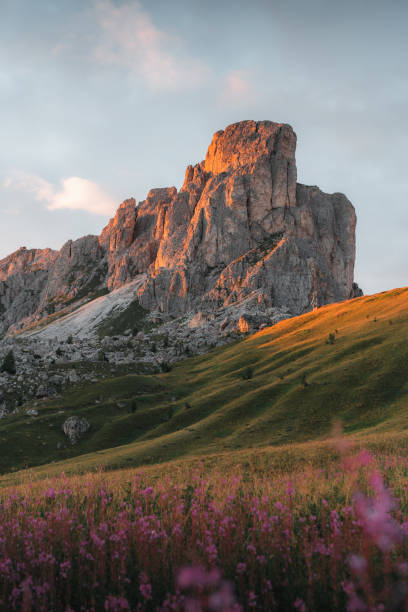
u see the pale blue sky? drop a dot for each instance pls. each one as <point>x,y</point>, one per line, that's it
<point>102,100</point>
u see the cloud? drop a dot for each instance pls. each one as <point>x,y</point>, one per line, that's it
<point>76,193</point>
<point>238,89</point>
<point>128,38</point>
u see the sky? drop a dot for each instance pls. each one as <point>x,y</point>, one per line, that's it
<point>101,100</point>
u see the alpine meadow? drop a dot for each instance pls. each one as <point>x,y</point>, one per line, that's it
<point>203,393</point>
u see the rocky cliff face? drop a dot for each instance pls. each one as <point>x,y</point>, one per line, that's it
<point>240,230</point>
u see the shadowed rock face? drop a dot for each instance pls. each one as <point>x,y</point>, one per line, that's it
<point>240,228</point>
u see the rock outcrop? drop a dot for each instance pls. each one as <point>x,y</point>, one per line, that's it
<point>241,230</point>
<point>75,427</point>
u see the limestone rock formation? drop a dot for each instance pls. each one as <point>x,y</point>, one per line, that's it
<point>23,278</point>
<point>75,427</point>
<point>241,230</point>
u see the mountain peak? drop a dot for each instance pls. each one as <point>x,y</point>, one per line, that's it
<point>241,231</point>
<point>244,143</point>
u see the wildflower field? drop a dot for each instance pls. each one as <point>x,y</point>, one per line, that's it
<point>189,538</point>
<point>234,496</point>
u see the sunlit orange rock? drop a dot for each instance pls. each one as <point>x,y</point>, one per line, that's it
<point>241,230</point>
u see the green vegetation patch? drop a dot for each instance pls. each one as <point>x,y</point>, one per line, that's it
<point>285,385</point>
<point>133,318</point>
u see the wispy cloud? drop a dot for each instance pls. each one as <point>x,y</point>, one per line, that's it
<point>127,37</point>
<point>238,89</point>
<point>76,193</point>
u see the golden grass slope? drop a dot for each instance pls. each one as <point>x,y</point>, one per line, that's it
<point>285,385</point>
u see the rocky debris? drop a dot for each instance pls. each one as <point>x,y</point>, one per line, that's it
<point>244,325</point>
<point>200,319</point>
<point>48,366</point>
<point>240,227</point>
<point>85,321</point>
<point>356,291</point>
<point>75,427</point>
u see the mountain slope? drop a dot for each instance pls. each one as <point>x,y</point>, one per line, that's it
<point>344,362</point>
<point>85,321</point>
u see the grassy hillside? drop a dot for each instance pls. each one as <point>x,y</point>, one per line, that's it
<point>345,362</point>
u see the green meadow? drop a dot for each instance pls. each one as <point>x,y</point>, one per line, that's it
<point>273,397</point>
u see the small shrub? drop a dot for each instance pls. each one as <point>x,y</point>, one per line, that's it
<point>134,317</point>
<point>70,339</point>
<point>50,309</point>
<point>304,381</point>
<point>59,352</point>
<point>9,363</point>
<point>166,367</point>
<point>331,339</point>
<point>248,373</point>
